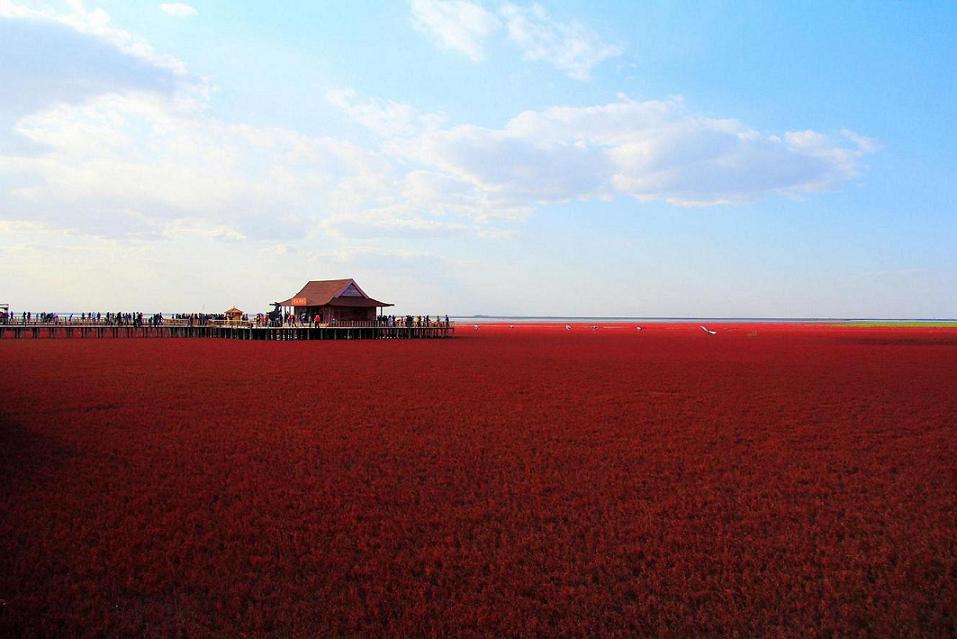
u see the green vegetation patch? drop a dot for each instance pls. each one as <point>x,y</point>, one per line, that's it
<point>902,324</point>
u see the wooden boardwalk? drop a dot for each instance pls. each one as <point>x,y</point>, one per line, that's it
<point>262,333</point>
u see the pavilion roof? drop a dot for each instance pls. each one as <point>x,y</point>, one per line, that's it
<point>329,292</point>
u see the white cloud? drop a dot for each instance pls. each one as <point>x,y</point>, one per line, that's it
<point>512,168</point>
<point>458,25</point>
<point>61,58</point>
<point>93,22</point>
<point>178,9</point>
<point>387,224</point>
<point>136,163</point>
<point>467,27</point>
<point>865,144</point>
<point>650,150</point>
<point>385,117</point>
<point>444,194</point>
<point>654,150</point>
<point>142,164</point>
<point>421,200</point>
<point>568,46</point>
<point>187,227</point>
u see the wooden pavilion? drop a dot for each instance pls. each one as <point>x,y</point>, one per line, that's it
<point>333,301</point>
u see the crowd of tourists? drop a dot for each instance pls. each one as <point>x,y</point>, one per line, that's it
<point>304,320</point>
<point>86,319</point>
<point>202,319</point>
<point>277,319</point>
<point>101,319</point>
<point>413,320</point>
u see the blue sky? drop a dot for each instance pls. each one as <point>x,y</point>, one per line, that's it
<point>583,158</point>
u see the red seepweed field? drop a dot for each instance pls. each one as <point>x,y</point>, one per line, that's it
<point>769,480</point>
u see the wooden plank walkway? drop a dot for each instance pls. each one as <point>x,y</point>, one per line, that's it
<point>254,333</point>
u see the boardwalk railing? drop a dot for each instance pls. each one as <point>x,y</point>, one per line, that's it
<point>169,321</point>
<point>231,330</point>
<point>366,324</point>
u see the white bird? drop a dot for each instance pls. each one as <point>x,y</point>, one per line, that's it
<point>511,325</point>
<point>568,327</point>
<point>709,331</point>
<point>594,327</point>
<point>637,328</point>
<point>475,326</point>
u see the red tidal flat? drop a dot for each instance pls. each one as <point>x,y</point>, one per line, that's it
<point>767,480</point>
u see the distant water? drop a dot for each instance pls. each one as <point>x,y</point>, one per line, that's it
<point>572,319</point>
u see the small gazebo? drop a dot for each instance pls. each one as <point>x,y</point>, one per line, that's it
<point>234,314</point>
